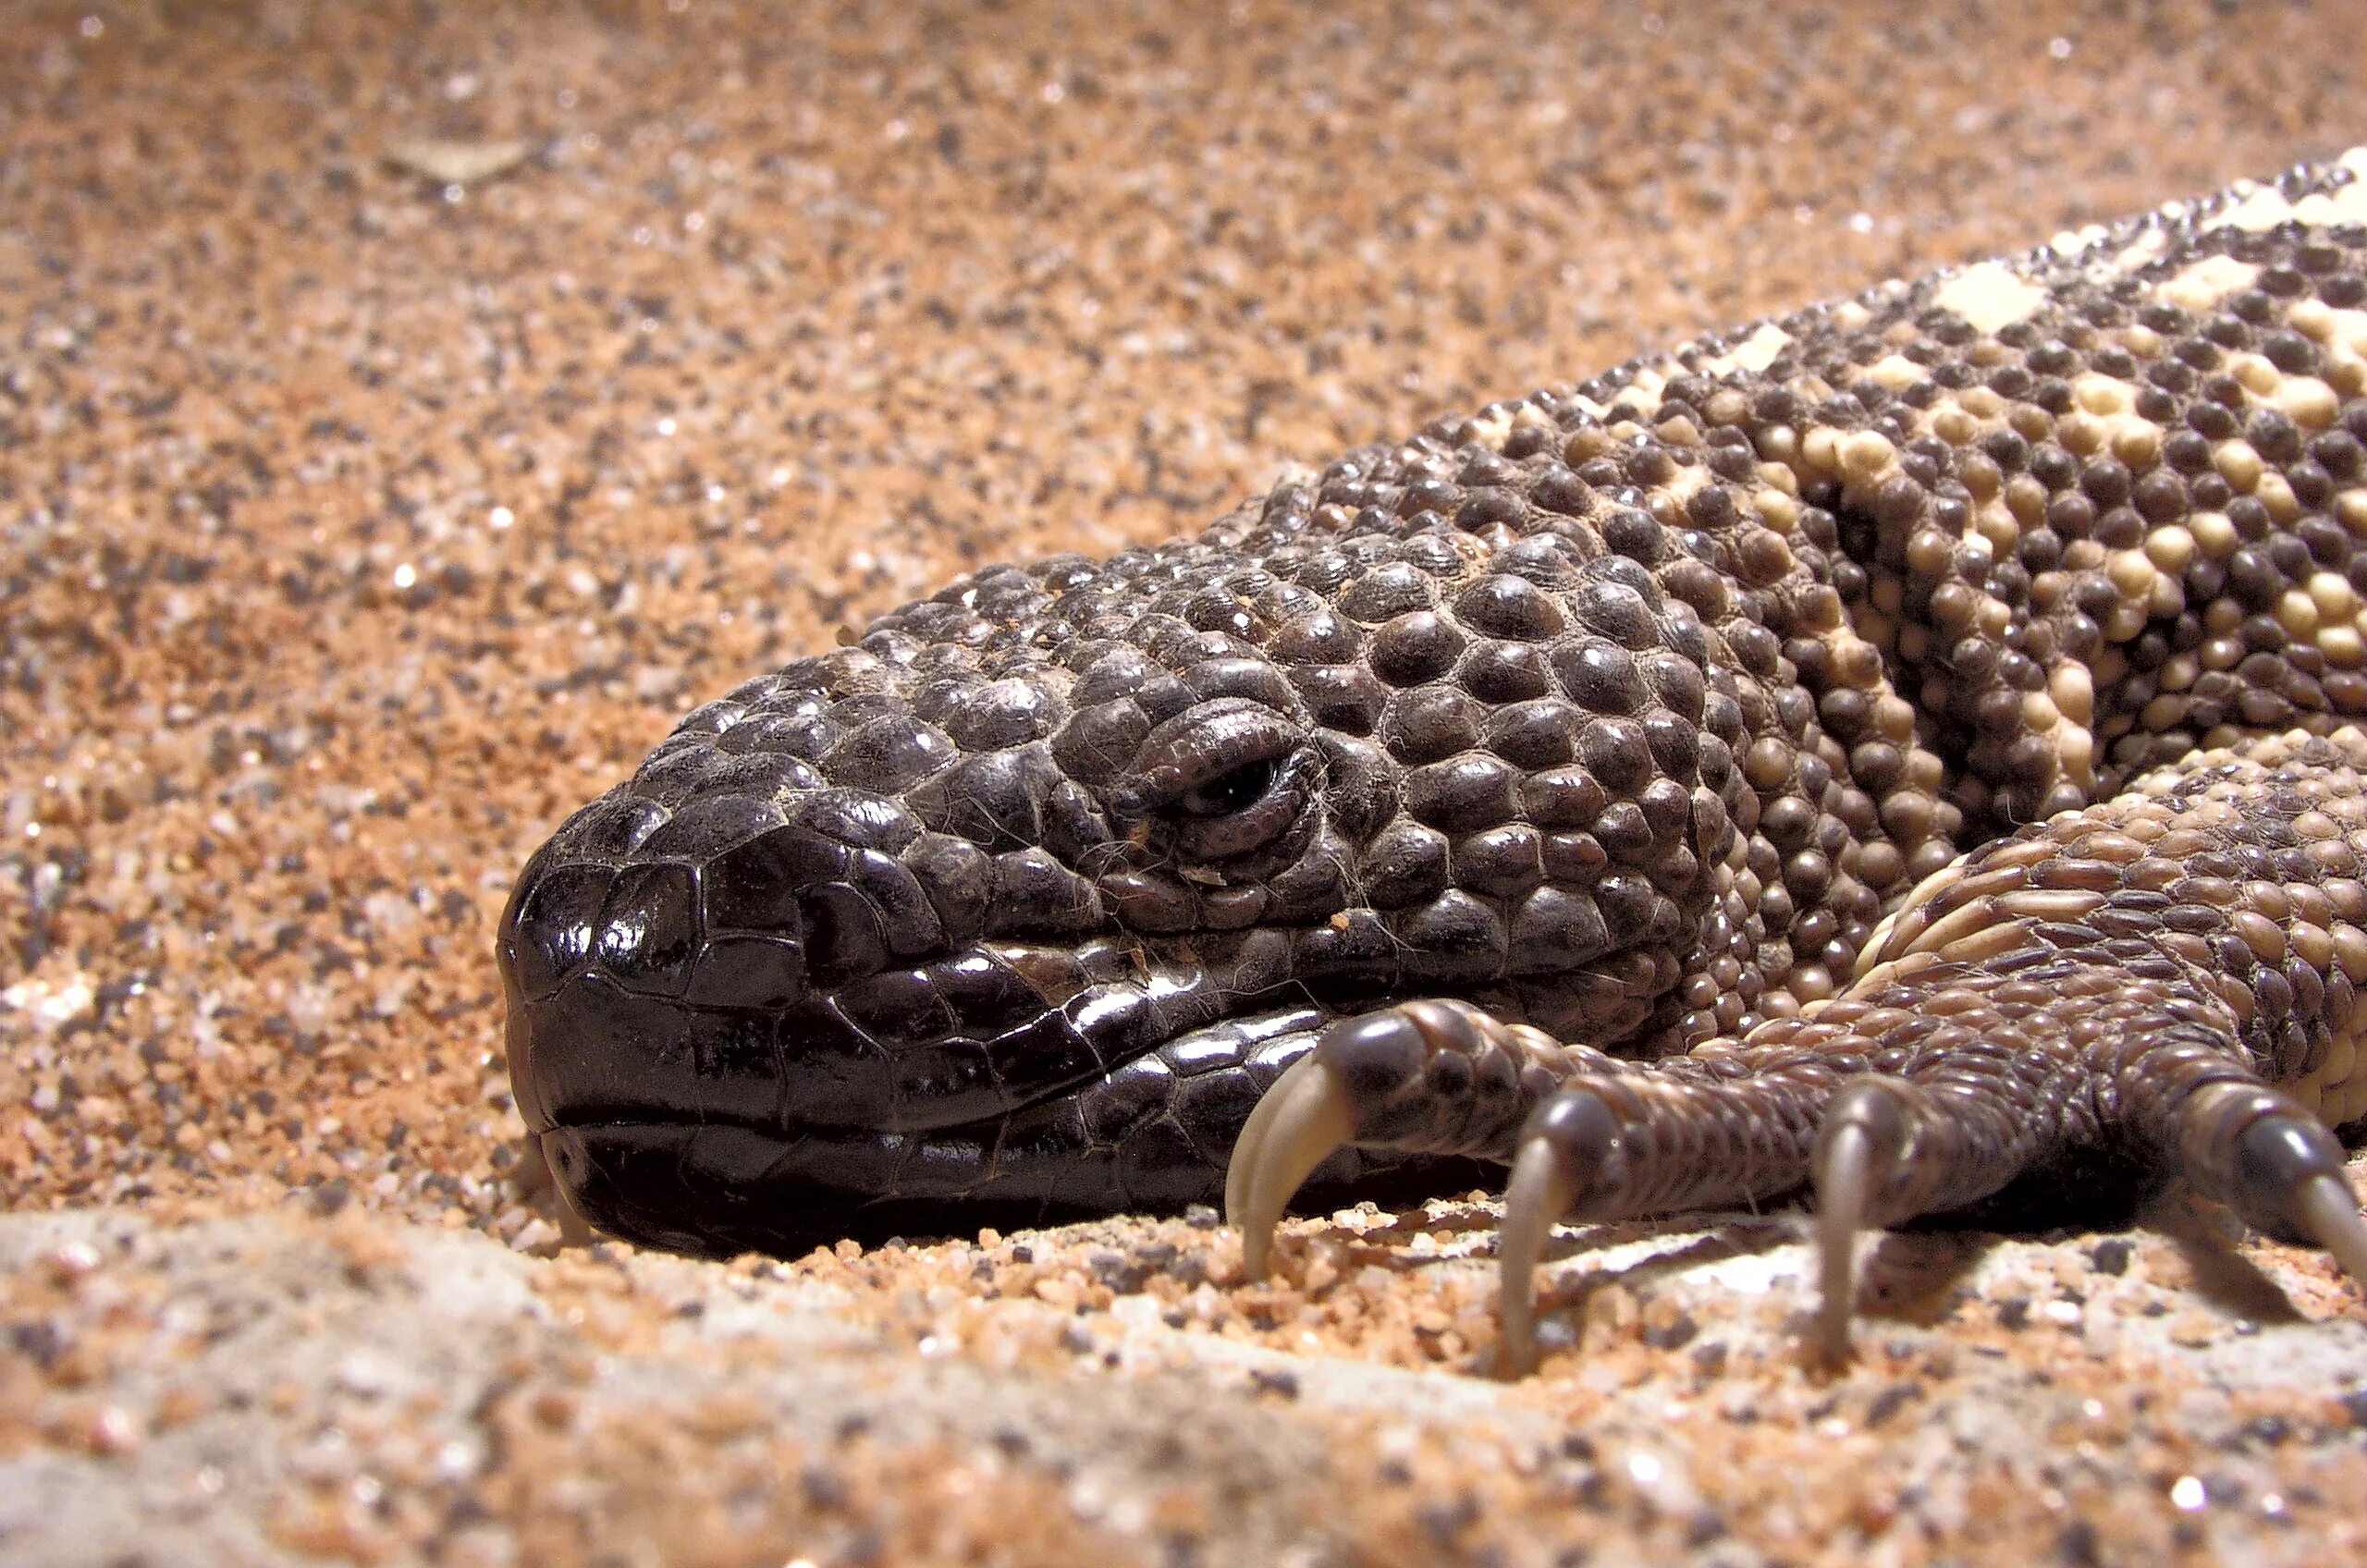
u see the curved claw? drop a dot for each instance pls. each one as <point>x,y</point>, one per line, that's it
<point>1302,1119</point>
<point>1861,1142</point>
<point>2289,1173</point>
<point>1242,1163</point>
<point>2326,1208</point>
<point>1539,1191</point>
<point>1561,1153</point>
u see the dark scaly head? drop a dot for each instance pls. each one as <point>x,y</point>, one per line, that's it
<point>1022,899</point>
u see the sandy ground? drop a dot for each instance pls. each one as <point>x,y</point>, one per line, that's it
<point>404,417</point>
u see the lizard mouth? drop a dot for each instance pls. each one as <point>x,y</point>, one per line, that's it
<point>1152,1132</point>
<point>757,1110</point>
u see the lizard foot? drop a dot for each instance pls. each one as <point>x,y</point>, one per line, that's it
<point>1437,1076</point>
<point>2168,983</point>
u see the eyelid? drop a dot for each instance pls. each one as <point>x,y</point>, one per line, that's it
<point>1199,746</point>
<point>1259,823</point>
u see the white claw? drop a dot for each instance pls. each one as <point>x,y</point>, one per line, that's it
<point>1243,1165</point>
<point>1844,1180</point>
<point>2329,1211</point>
<point>1539,1192</point>
<point>1302,1118</point>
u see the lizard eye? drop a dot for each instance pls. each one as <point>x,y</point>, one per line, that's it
<point>1228,776</point>
<point>1229,793</point>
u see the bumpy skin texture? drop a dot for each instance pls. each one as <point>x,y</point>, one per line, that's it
<point>1645,722</point>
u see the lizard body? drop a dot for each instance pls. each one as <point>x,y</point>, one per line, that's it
<point>1900,751</point>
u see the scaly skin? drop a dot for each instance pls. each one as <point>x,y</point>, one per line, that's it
<point>1622,783</point>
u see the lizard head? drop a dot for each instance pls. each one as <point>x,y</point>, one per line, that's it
<point>1021,898</point>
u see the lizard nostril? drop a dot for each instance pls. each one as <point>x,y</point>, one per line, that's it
<point>754,884</point>
<point>548,937</point>
<point>843,940</point>
<point>649,929</point>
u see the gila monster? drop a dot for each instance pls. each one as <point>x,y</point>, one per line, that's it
<point>1898,754</point>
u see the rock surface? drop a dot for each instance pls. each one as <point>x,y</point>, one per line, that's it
<point>403,417</point>
<point>270,1389</point>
